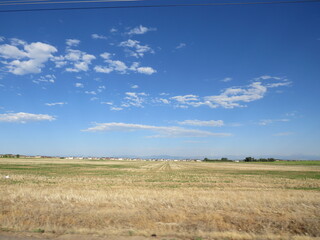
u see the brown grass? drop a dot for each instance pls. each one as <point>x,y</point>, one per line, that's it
<point>177,199</point>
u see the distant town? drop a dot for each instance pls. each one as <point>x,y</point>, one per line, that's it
<point>247,159</point>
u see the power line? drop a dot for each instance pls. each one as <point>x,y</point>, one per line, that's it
<point>34,2</point>
<point>159,6</point>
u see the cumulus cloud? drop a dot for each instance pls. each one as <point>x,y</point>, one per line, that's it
<point>72,42</point>
<point>97,36</point>
<point>140,30</point>
<point>55,104</point>
<point>134,48</point>
<point>120,67</point>
<point>77,60</point>
<point>29,58</point>
<point>23,117</point>
<point>168,132</point>
<point>210,123</point>
<point>146,70</point>
<point>134,86</point>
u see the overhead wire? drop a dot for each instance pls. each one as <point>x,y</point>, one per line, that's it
<point>155,5</point>
<point>34,2</point>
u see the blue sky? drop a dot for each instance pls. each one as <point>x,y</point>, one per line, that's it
<point>220,81</point>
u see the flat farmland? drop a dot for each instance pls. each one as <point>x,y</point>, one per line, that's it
<point>82,199</point>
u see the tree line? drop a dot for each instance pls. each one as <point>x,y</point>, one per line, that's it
<point>247,159</point>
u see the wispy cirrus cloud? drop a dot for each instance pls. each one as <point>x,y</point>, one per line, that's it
<point>234,96</point>
<point>49,78</point>
<point>265,122</point>
<point>181,45</point>
<point>226,79</point>
<point>134,99</point>
<point>90,92</point>
<point>22,117</point>
<point>98,36</point>
<point>55,104</point>
<point>210,123</point>
<point>282,134</point>
<point>161,132</point>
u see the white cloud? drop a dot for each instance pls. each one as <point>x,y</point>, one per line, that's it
<point>30,59</point>
<point>55,104</point>
<point>265,122</point>
<point>227,79</point>
<point>22,117</point>
<point>134,99</point>
<point>102,69</point>
<point>181,45</point>
<point>171,131</point>
<point>140,30</point>
<point>59,61</point>
<point>281,134</point>
<point>101,88</point>
<point>79,85</point>
<point>90,92</point>
<point>161,100</point>
<point>97,36</point>
<point>116,108</point>
<point>79,60</point>
<point>49,78</point>
<point>134,86</point>
<point>113,30</point>
<point>184,101</point>
<point>17,42</point>
<point>211,123</point>
<point>9,51</point>
<point>72,42</point>
<point>2,38</point>
<point>122,68</point>
<point>234,96</point>
<point>94,99</point>
<point>107,103</point>
<point>146,70</point>
<point>138,50</point>
<point>267,77</point>
<point>105,55</point>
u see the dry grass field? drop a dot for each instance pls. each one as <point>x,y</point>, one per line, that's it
<point>175,200</point>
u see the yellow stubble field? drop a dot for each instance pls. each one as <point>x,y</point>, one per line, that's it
<point>159,200</point>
